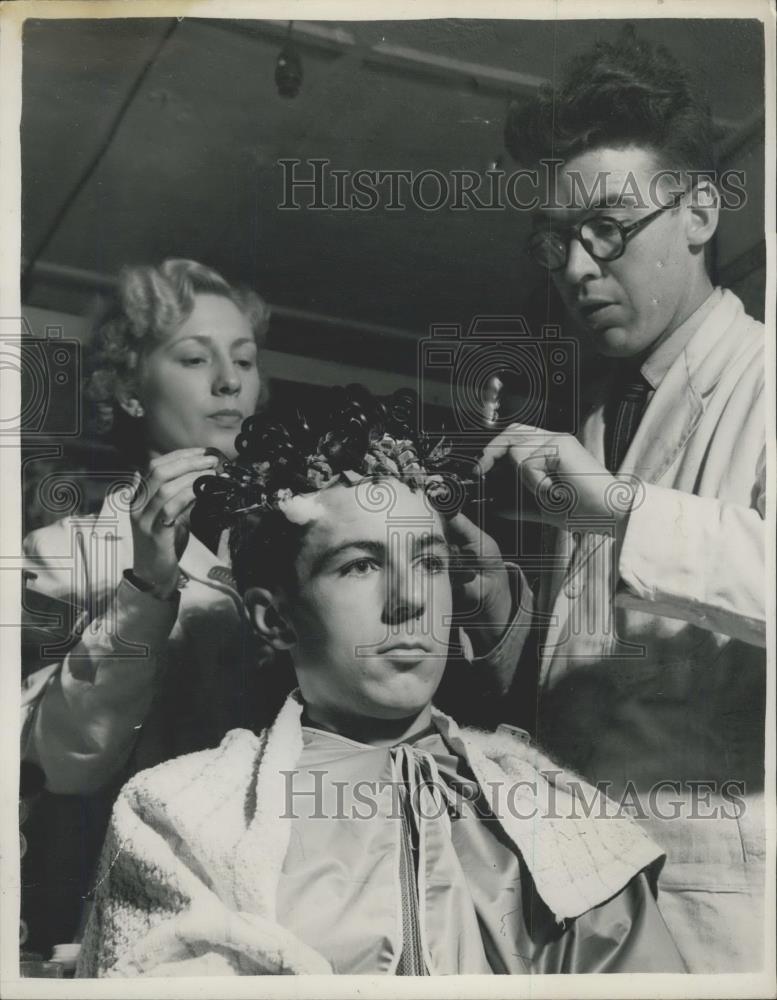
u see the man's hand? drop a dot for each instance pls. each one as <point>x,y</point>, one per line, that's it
<point>481,586</point>
<point>564,479</point>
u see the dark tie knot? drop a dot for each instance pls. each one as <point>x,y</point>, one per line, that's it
<point>622,416</point>
<point>636,389</point>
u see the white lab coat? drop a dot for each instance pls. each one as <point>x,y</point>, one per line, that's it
<point>653,665</point>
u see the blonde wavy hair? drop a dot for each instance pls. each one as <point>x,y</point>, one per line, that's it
<point>149,303</point>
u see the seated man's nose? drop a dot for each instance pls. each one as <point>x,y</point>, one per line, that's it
<point>402,613</point>
<point>406,606</point>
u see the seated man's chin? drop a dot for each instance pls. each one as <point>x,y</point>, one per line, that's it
<point>403,697</point>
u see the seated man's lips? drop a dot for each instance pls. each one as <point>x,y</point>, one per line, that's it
<point>404,649</point>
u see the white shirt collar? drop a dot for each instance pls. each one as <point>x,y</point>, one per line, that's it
<point>655,367</point>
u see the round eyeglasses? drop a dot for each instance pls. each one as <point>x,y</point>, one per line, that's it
<point>603,238</point>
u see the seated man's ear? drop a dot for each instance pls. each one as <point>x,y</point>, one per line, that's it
<point>265,611</point>
<point>704,210</point>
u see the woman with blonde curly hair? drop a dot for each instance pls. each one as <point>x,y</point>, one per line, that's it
<point>161,660</point>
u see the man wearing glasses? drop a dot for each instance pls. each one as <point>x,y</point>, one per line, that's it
<point>652,664</point>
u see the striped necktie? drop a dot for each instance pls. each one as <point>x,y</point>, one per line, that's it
<point>411,961</point>
<point>420,787</point>
<point>622,413</point>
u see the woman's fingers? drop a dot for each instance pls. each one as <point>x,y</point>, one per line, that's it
<point>172,456</point>
<point>180,465</point>
<point>162,474</point>
<point>172,512</point>
<point>170,500</point>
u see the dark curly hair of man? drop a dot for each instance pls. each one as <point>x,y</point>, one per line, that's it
<point>621,93</point>
<point>359,437</point>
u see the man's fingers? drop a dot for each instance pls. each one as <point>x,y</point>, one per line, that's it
<point>529,455</point>
<point>473,543</point>
<point>462,531</point>
<point>515,440</point>
<point>491,454</point>
<point>544,459</point>
<point>518,428</point>
<point>496,450</point>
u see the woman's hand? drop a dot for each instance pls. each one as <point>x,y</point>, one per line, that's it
<point>160,516</point>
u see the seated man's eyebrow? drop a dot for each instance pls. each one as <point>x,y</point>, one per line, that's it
<point>376,549</point>
<point>430,540</point>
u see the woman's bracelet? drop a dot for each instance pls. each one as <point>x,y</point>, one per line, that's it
<point>145,587</point>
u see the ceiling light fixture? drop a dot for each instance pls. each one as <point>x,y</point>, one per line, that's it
<point>288,68</point>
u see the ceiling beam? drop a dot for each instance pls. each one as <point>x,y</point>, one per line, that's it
<point>91,282</point>
<point>336,39</point>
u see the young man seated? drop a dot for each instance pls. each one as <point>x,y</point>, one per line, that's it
<point>364,831</point>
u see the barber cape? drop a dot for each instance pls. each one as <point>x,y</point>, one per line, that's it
<point>188,883</point>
